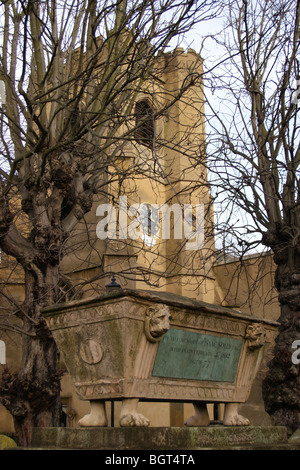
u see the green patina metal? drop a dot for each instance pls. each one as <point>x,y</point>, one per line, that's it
<point>188,355</point>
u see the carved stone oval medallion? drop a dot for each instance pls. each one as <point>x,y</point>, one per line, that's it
<point>90,351</point>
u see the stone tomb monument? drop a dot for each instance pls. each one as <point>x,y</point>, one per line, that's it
<point>133,345</point>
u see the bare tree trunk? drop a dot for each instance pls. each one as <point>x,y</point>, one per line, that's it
<point>33,394</point>
<point>281,387</point>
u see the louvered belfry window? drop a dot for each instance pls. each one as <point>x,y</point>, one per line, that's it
<point>144,121</point>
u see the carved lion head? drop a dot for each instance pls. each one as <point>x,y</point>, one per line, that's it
<point>256,335</point>
<point>157,322</point>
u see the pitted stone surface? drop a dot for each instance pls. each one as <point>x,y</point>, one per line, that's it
<point>158,438</point>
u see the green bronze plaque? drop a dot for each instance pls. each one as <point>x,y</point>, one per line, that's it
<point>187,355</point>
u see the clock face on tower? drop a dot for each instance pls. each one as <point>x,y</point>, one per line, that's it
<point>149,223</point>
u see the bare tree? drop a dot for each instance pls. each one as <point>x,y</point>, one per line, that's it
<point>254,155</point>
<point>71,72</point>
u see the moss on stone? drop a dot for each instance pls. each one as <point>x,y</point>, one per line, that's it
<point>6,442</point>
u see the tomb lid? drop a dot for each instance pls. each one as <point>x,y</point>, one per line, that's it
<point>167,298</point>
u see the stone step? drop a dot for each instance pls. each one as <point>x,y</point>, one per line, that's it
<point>165,438</point>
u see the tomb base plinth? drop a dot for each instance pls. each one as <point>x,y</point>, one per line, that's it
<point>163,438</point>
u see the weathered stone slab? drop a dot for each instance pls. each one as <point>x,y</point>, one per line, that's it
<point>216,437</point>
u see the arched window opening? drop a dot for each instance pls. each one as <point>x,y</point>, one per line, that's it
<point>144,122</point>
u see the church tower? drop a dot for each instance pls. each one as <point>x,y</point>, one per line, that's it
<point>153,228</point>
